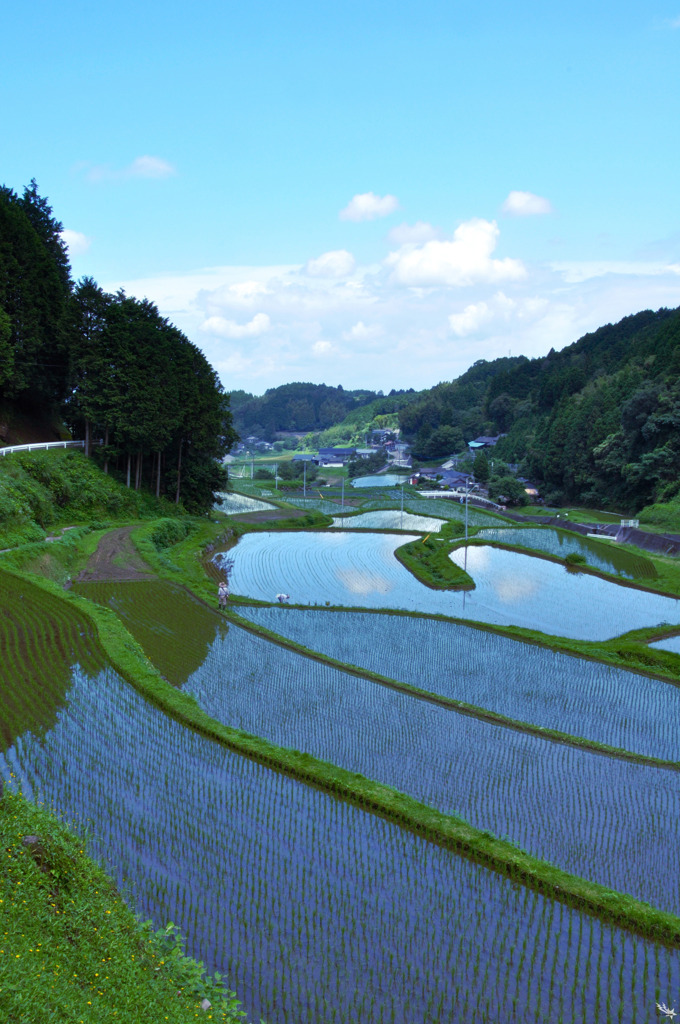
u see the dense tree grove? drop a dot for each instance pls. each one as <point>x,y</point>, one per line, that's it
<point>442,419</point>
<point>120,373</point>
<point>598,422</point>
<point>300,407</point>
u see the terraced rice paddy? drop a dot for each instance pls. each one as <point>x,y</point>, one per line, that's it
<point>42,640</point>
<point>550,799</point>
<point>233,504</point>
<point>599,554</point>
<point>175,630</point>
<point>380,480</point>
<point>360,570</point>
<point>527,683</point>
<point>671,643</point>
<point>329,506</point>
<point>314,910</point>
<point>389,519</point>
<point>586,813</point>
<point>449,508</point>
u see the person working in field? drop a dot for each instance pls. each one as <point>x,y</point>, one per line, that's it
<point>222,595</point>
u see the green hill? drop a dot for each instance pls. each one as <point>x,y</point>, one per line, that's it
<point>596,423</point>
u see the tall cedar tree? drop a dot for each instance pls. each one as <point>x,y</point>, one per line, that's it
<point>34,292</point>
<point>121,372</point>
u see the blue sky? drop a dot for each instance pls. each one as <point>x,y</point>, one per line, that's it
<point>370,194</point>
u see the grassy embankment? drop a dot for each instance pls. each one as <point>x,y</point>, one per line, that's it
<point>45,490</point>
<point>428,559</point>
<point>70,947</point>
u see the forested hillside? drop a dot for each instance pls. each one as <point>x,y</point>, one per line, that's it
<point>110,366</point>
<point>305,408</point>
<point>598,422</point>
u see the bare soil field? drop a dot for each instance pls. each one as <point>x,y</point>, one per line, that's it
<point>115,559</point>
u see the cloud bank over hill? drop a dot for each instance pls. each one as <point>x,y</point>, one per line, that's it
<point>430,307</point>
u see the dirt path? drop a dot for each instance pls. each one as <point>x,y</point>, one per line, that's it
<point>116,558</point>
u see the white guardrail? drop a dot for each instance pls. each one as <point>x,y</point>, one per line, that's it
<point>44,444</point>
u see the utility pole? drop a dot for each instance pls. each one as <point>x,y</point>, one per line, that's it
<point>467,491</point>
<point>276,476</point>
<point>401,521</point>
<point>304,481</point>
<point>343,500</point>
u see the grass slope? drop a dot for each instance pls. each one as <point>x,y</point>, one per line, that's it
<point>45,489</point>
<point>71,950</point>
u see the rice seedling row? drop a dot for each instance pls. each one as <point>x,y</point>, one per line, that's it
<point>602,556</point>
<point>314,910</point>
<point>520,681</point>
<point>41,639</point>
<point>590,815</point>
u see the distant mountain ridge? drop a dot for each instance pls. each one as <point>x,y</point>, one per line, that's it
<point>298,407</point>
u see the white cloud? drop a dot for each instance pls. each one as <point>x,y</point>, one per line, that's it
<point>141,167</point>
<point>415,234</point>
<point>337,263</point>
<point>363,332</point>
<point>471,319</point>
<point>263,326</point>
<point>77,242</point>
<point>500,309</point>
<point>463,261</point>
<point>526,204</point>
<point>674,22</point>
<point>150,167</point>
<point>260,324</point>
<point>577,271</point>
<point>368,206</point>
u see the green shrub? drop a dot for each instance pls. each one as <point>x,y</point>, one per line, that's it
<point>167,532</point>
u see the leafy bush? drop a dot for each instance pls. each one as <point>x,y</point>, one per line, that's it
<point>170,531</point>
<point>663,514</point>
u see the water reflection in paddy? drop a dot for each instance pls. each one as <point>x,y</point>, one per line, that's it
<point>600,554</point>
<point>340,568</point>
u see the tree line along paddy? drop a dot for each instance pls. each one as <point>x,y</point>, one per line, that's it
<point>314,908</point>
